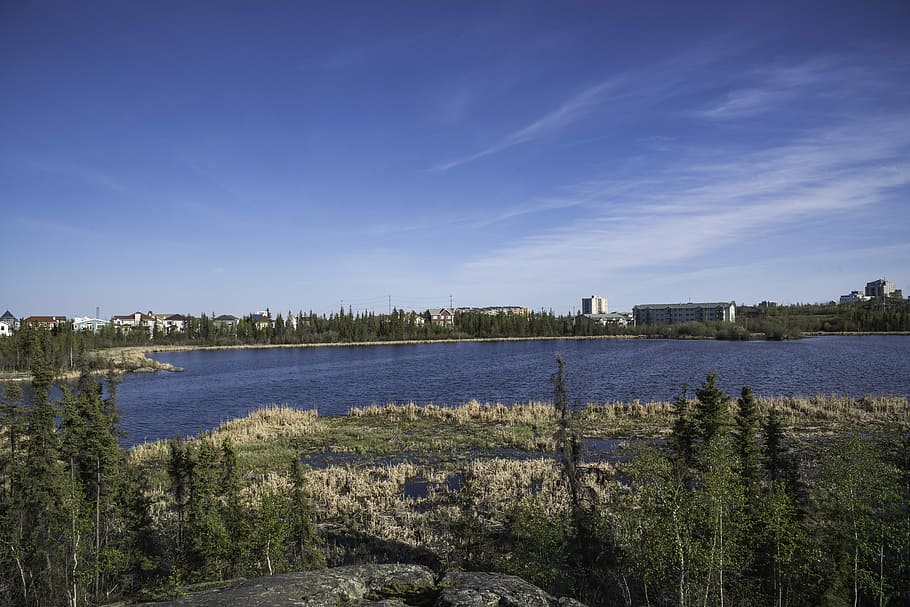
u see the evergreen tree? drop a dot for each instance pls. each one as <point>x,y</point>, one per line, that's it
<point>207,540</point>
<point>712,415</point>
<point>304,541</point>
<point>41,527</point>
<point>777,461</point>
<point>747,445</point>
<point>682,438</point>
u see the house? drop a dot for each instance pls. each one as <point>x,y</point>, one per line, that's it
<point>86,323</point>
<point>442,316</point>
<point>5,331</point>
<point>11,322</point>
<point>171,323</point>
<point>611,318</point>
<point>665,314</point>
<point>45,322</point>
<point>262,320</point>
<point>226,322</point>
<point>135,320</point>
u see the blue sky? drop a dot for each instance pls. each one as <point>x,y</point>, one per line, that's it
<point>229,156</point>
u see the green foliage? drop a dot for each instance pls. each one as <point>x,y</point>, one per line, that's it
<point>536,545</point>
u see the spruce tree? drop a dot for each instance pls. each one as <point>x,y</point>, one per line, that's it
<point>303,537</point>
<point>712,415</point>
<point>207,540</point>
<point>682,438</point>
<point>41,490</point>
<point>748,448</point>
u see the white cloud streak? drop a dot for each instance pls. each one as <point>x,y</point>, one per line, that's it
<point>691,210</point>
<point>569,112</point>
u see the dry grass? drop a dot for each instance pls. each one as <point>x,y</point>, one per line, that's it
<point>868,412</point>
<point>468,412</point>
<point>369,500</point>
<point>263,424</point>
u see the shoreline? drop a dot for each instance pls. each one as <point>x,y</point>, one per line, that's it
<point>135,359</point>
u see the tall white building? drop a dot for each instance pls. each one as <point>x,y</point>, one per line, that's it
<point>880,288</point>
<point>594,305</point>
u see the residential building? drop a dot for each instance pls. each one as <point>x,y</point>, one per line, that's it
<point>45,322</point>
<point>135,320</point>
<point>665,314</point>
<point>494,310</point>
<point>854,296</point>
<point>11,322</point>
<point>442,316</point>
<point>171,323</point>
<point>86,323</point>
<point>616,318</point>
<point>226,322</point>
<point>880,288</point>
<point>262,320</point>
<point>5,331</point>
<point>594,305</point>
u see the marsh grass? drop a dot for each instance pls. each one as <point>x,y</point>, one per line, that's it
<point>455,455</point>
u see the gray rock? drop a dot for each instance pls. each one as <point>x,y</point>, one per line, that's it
<point>480,589</point>
<point>376,586</point>
<point>326,588</point>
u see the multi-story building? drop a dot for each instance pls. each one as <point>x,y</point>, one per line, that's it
<point>442,316</point>
<point>594,305</point>
<point>666,314</point>
<point>880,288</point>
<point>494,310</point>
<point>854,296</point>
<point>86,323</point>
<point>226,322</point>
<point>45,322</point>
<point>170,323</point>
<point>134,320</point>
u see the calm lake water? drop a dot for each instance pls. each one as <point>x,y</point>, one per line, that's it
<point>222,384</point>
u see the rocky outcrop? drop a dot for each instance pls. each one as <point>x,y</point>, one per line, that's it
<point>481,589</point>
<point>376,586</point>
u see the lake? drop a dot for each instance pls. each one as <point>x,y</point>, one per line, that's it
<point>218,385</point>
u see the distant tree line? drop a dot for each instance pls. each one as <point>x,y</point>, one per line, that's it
<point>780,322</point>
<point>67,349</point>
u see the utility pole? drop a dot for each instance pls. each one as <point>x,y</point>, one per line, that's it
<point>390,304</point>
<point>450,302</point>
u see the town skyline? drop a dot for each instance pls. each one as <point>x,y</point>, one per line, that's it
<point>307,157</point>
<point>878,287</point>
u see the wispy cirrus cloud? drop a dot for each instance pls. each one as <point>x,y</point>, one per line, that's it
<point>712,201</point>
<point>569,112</point>
<point>824,79</point>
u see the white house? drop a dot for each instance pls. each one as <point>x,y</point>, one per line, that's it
<point>11,322</point>
<point>86,323</point>
<point>170,323</point>
<point>134,320</point>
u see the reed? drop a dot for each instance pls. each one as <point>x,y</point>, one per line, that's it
<point>265,424</point>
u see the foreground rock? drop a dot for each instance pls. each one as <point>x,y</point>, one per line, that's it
<point>377,586</point>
